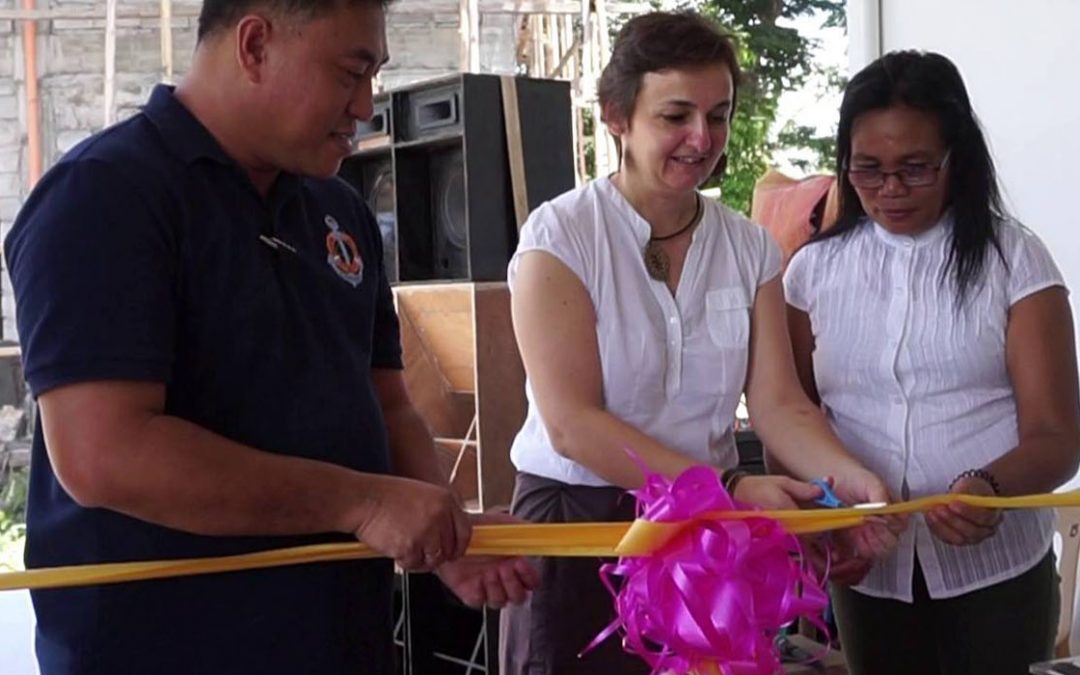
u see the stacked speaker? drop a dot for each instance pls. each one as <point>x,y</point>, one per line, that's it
<point>433,166</point>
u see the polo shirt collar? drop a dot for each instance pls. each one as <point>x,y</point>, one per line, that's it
<point>180,130</point>
<point>191,141</point>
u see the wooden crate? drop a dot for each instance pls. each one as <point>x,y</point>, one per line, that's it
<point>465,376</point>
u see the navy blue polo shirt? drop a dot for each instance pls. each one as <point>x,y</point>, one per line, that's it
<point>147,254</point>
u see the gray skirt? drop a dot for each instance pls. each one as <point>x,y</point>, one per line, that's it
<point>545,635</point>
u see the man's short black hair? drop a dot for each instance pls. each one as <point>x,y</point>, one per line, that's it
<point>221,14</point>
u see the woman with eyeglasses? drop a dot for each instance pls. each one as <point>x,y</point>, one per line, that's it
<point>935,331</point>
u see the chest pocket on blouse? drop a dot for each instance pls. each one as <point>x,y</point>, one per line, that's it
<point>727,320</point>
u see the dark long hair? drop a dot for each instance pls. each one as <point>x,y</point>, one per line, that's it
<point>930,82</point>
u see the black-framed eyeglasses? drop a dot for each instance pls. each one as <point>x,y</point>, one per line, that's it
<point>910,175</point>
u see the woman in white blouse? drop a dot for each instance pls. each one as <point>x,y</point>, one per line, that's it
<point>643,311</point>
<point>935,330</point>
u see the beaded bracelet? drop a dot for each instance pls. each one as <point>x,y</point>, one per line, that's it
<point>981,474</point>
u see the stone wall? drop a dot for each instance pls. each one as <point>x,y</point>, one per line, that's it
<point>71,64</point>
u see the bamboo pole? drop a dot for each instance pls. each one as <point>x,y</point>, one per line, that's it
<point>474,35</point>
<point>556,36</point>
<point>603,38</point>
<point>575,58</point>
<point>600,135</point>
<point>537,24</point>
<point>568,52</point>
<point>547,34</point>
<point>579,144</point>
<point>110,62</point>
<point>603,53</point>
<point>585,74</point>
<point>522,47</point>
<point>463,35</point>
<point>581,169</point>
<point>166,41</point>
<point>33,98</point>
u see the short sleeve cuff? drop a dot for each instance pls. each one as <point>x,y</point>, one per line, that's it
<point>44,379</point>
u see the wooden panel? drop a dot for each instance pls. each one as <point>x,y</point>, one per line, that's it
<point>441,315</point>
<point>447,413</point>
<point>500,386</point>
<point>445,329</point>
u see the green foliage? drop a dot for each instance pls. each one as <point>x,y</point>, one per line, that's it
<point>13,489</point>
<point>775,59</point>
<point>748,151</point>
<point>588,126</point>
<point>822,148</point>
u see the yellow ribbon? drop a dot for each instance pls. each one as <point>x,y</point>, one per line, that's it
<point>560,539</point>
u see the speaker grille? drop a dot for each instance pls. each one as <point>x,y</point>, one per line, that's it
<point>381,202</point>
<point>451,225</point>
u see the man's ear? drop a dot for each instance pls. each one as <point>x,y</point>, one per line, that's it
<point>252,36</point>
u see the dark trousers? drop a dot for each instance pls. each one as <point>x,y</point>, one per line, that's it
<point>545,635</point>
<point>998,630</point>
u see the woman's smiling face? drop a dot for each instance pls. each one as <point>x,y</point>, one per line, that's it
<point>678,128</point>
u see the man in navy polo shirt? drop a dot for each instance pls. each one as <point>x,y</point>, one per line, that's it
<point>208,328</point>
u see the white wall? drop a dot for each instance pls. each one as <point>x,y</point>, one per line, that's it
<point>1017,61</point>
<point>17,633</point>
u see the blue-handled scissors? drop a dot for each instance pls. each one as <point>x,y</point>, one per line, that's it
<point>828,499</point>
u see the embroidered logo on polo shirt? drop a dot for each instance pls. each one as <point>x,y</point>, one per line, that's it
<point>342,255</point>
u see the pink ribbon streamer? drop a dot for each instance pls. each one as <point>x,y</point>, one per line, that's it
<point>714,597</point>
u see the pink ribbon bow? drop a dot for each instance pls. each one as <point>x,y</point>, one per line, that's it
<point>714,597</point>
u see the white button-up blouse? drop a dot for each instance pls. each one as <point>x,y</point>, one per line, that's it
<point>917,387</point>
<point>674,367</point>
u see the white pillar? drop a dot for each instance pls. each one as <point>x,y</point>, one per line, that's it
<point>864,33</point>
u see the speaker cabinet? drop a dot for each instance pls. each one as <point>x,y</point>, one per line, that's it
<point>376,132</point>
<point>449,214</point>
<point>380,197</point>
<point>373,177</point>
<point>447,210</point>
<point>431,111</point>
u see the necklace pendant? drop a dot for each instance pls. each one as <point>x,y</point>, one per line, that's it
<point>656,261</point>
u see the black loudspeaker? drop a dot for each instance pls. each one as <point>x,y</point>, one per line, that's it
<point>449,214</point>
<point>447,207</point>
<point>373,178</point>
